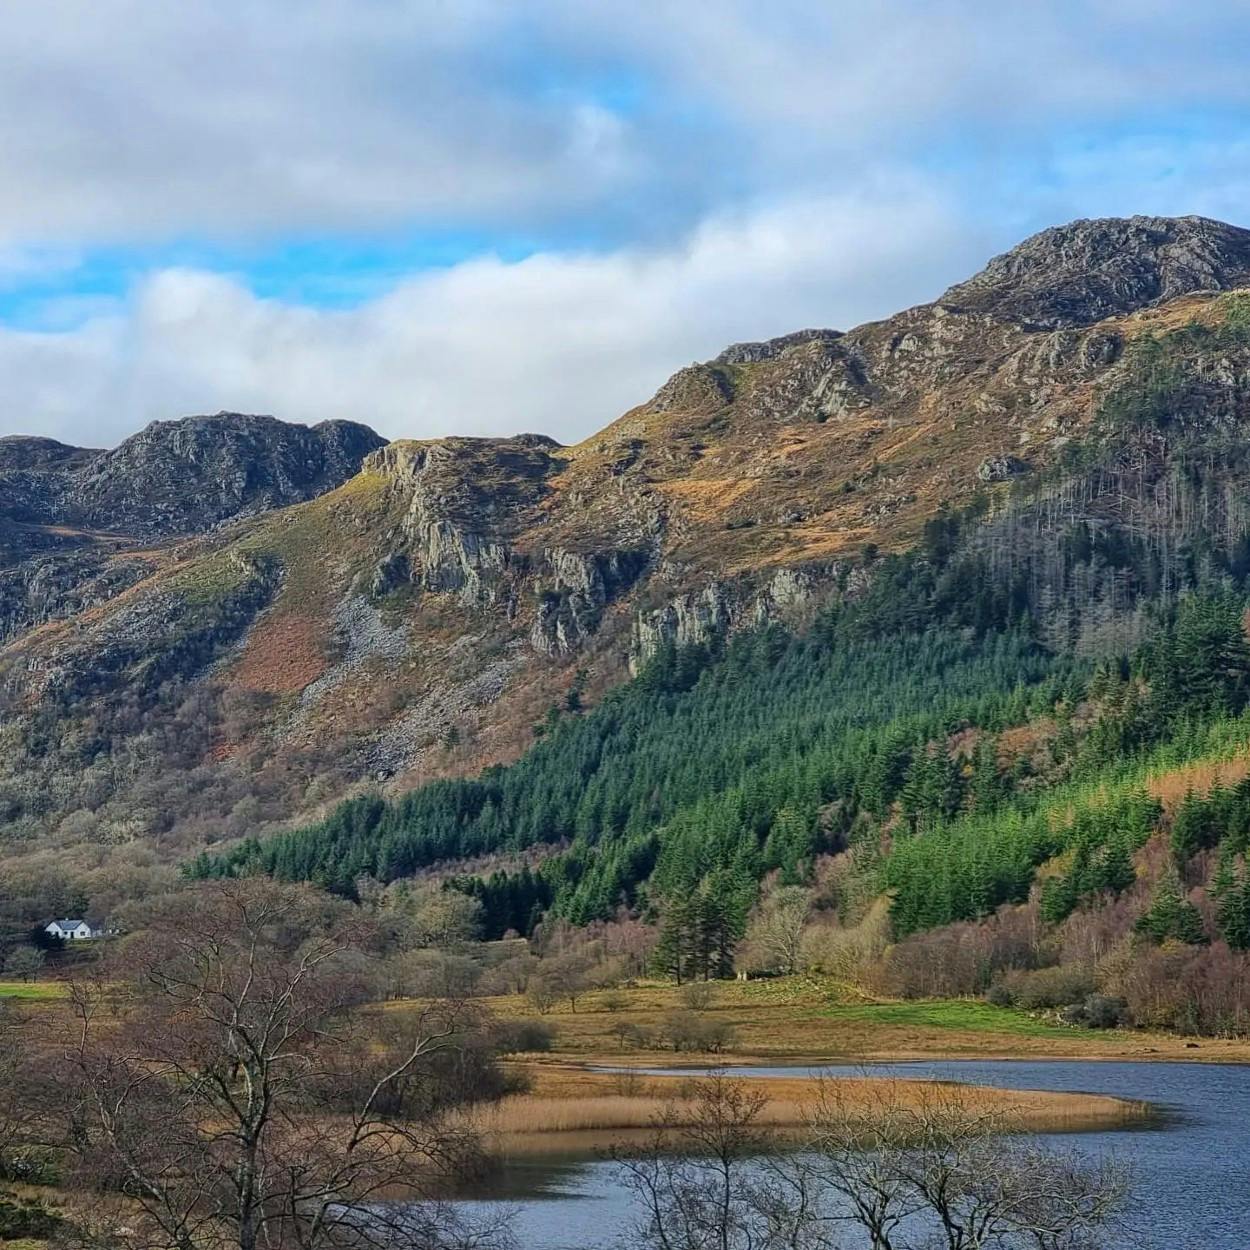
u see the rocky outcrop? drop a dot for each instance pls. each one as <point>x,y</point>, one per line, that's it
<point>466,505</point>
<point>573,589</point>
<point>465,500</point>
<point>175,631</point>
<point>787,597</point>
<point>1001,468</point>
<point>790,591</point>
<point>52,588</point>
<point>818,377</point>
<point>770,349</point>
<point>36,475</point>
<point>180,477</point>
<point>69,514</point>
<point>687,620</point>
<point>1077,274</point>
<point>697,387</point>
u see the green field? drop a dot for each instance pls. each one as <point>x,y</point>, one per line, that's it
<point>962,1014</point>
<point>34,991</point>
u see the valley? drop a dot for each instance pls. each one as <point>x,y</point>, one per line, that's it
<point>864,698</point>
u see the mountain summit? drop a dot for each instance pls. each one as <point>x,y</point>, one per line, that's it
<point>179,477</point>
<point>1077,274</point>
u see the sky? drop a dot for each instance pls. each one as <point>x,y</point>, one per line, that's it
<point>493,216</point>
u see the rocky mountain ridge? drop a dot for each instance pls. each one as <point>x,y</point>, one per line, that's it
<point>178,477</point>
<point>418,616</point>
<point>74,521</point>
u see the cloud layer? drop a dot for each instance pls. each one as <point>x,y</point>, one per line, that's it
<point>557,343</point>
<point>677,176</point>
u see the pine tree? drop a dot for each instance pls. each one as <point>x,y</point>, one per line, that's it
<point>1115,871</point>
<point>1171,916</point>
<point>1192,829</point>
<point>675,948</point>
<point>1234,912</point>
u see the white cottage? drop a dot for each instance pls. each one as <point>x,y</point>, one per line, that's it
<point>71,930</point>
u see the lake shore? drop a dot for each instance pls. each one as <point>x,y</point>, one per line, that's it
<point>814,1020</point>
<point>575,1109</point>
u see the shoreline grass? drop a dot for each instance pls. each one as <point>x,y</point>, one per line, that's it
<point>577,1109</point>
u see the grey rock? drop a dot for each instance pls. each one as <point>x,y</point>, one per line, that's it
<point>1001,468</point>
<point>360,636</point>
<point>1077,274</point>
<point>769,349</point>
<point>53,587</point>
<point>178,477</point>
<point>466,499</point>
<point>695,388</point>
<point>687,620</point>
<point>573,590</point>
<point>393,571</point>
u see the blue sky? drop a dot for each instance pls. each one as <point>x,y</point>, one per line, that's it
<point>475,216</point>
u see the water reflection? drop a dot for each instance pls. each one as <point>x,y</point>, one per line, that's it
<point>1192,1165</point>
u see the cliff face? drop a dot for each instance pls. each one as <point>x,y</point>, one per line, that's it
<point>421,605</point>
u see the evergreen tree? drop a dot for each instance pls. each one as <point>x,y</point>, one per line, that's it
<point>1115,871</point>
<point>1171,915</point>
<point>1234,912</point>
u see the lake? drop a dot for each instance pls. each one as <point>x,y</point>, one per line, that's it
<point>1192,1167</point>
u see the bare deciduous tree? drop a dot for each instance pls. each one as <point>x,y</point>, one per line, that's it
<point>917,1166</point>
<point>692,1181</point>
<point>16,1112</point>
<point>24,963</point>
<point>903,1168</point>
<point>223,1089</point>
<point>774,937</point>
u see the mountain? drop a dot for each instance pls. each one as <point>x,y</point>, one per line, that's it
<point>79,525</point>
<point>1081,273</point>
<point>225,625</point>
<point>178,477</point>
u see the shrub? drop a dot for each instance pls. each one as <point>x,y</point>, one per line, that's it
<point>1098,1011</point>
<point>961,959</point>
<point>511,1037</point>
<point>1203,990</point>
<point>718,1036</point>
<point>29,1167</point>
<point>541,994</point>
<point>685,1030</point>
<point>1047,988</point>
<point>19,1218</point>
<point>630,1034</point>
<point>1000,994</point>
<point>697,995</point>
<point>626,1084</point>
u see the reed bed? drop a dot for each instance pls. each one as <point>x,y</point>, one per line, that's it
<point>571,1108</point>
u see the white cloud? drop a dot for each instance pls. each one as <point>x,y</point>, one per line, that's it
<point>125,119</point>
<point>555,343</point>
<point>759,167</point>
<point>120,119</point>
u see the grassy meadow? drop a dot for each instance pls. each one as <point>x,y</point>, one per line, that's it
<point>805,1018</point>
